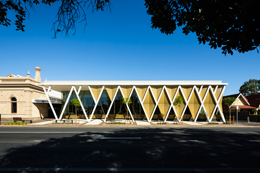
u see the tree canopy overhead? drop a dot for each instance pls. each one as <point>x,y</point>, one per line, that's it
<point>250,87</point>
<point>69,12</point>
<point>231,25</point>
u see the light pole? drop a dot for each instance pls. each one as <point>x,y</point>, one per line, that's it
<point>237,114</point>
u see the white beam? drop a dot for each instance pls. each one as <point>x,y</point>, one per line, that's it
<point>96,103</point>
<point>64,107</point>
<point>48,98</point>
<point>82,106</point>
<point>111,104</point>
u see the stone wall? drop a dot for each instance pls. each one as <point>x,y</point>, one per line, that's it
<point>5,103</point>
<point>25,108</point>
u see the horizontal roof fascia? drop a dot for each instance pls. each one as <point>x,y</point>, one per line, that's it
<point>66,85</point>
<point>132,83</point>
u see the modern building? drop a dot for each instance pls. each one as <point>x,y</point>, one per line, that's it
<point>150,100</point>
<point>29,98</point>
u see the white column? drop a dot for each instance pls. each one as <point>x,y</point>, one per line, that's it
<point>48,98</point>
<point>82,106</point>
<point>64,107</point>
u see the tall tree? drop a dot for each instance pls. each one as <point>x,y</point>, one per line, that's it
<point>178,102</point>
<point>228,101</point>
<point>232,25</point>
<point>250,87</point>
<point>126,101</point>
<point>69,13</point>
<point>76,103</point>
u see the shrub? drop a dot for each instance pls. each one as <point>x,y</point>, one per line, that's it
<point>15,123</point>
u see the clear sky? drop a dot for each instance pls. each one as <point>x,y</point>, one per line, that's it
<point>118,45</point>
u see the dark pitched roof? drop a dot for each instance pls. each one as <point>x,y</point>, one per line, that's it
<point>236,95</point>
<point>244,107</point>
<point>254,100</point>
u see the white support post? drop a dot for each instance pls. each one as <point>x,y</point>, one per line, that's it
<point>202,105</point>
<point>64,107</point>
<point>200,88</point>
<point>217,106</point>
<point>156,102</point>
<point>215,90</point>
<point>172,106</point>
<point>48,98</point>
<point>96,102</point>
<point>220,111</point>
<point>82,107</point>
<point>186,101</point>
<point>111,104</point>
<point>127,103</point>
<point>201,102</point>
<point>141,102</point>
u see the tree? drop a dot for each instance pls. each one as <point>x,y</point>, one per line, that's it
<point>250,87</point>
<point>228,101</point>
<point>178,102</point>
<point>69,13</point>
<point>76,103</point>
<point>126,101</point>
<point>230,25</point>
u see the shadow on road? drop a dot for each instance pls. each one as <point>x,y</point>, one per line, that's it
<point>157,148</point>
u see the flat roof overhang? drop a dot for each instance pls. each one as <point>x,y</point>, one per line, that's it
<point>66,85</point>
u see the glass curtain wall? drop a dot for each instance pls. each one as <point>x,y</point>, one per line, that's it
<point>118,109</point>
<point>86,99</point>
<point>103,105</point>
<point>136,107</point>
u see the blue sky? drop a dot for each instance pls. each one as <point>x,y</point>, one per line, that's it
<point>118,45</point>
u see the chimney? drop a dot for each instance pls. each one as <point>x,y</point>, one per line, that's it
<point>38,74</point>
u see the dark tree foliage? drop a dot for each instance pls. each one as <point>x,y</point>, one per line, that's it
<point>69,13</point>
<point>230,25</point>
<point>250,87</point>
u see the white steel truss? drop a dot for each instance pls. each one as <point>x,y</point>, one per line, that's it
<point>171,105</point>
<point>217,105</point>
<point>194,90</point>
<point>95,101</point>
<point>142,100</point>
<point>202,104</point>
<point>48,98</point>
<point>186,101</point>
<point>128,109</point>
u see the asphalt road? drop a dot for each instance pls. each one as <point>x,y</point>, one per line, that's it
<point>129,149</point>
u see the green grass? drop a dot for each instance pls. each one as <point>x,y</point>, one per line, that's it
<point>116,122</point>
<point>15,123</point>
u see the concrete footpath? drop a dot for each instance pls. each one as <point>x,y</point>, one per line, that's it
<point>101,123</point>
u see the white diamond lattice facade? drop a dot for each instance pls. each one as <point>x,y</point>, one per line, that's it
<point>150,100</point>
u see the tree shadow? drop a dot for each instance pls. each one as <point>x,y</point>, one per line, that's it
<point>157,148</point>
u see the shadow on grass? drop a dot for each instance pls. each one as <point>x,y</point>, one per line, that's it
<point>157,148</point>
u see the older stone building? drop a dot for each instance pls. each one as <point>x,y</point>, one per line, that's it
<point>21,97</point>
